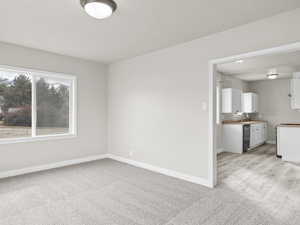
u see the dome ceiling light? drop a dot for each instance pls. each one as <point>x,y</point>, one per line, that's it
<point>99,9</point>
<point>272,74</point>
<point>239,61</point>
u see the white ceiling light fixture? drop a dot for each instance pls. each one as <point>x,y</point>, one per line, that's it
<point>99,9</point>
<point>239,61</point>
<point>272,74</point>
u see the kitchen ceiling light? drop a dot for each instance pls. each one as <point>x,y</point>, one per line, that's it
<point>99,9</point>
<point>239,61</point>
<point>272,74</point>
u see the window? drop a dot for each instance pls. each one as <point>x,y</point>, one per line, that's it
<point>36,105</point>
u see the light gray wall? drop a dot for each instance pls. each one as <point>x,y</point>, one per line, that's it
<point>155,100</point>
<point>274,103</point>
<point>92,110</point>
<point>232,82</point>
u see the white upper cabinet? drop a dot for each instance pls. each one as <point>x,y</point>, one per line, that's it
<point>231,100</point>
<point>295,93</point>
<point>250,102</point>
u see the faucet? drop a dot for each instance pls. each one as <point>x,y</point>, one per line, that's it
<point>245,117</point>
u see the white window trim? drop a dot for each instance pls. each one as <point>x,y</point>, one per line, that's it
<point>72,105</point>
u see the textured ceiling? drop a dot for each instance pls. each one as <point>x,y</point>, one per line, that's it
<point>256,68</point>
<point>137,27</point>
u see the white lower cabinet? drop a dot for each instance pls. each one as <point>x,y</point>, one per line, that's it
<point>233,136</point>
<point>258,134</point>
<point>288,143</point>
<point>265,132</point>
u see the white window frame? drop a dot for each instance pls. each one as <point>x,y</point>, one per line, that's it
<point>34,74</point>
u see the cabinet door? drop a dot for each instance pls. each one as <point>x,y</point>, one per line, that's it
<point>254,102</point>
<point>250,102</point>
<point>261,133</point>
<point>258,134</point>
<point>231,100</point>
<point>233,138</point>
<point>247,103</point>
<point>266,131</point>
<point>253,136</point>
<point>236,100</point>
<point>226,100</point>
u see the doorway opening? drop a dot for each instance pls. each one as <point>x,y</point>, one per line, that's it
<point>253,103</point>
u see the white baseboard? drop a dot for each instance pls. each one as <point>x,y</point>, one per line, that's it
<point>271,142</point>
<point>12,173</point>
<point>167,172</point>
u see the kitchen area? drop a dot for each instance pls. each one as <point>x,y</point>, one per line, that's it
<point>258,104</point>
<point>257,129</point>
<point>244,134</point>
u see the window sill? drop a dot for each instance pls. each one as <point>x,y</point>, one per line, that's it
<point>37,138</point>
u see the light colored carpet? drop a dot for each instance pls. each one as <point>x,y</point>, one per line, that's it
<point>254,189</point>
